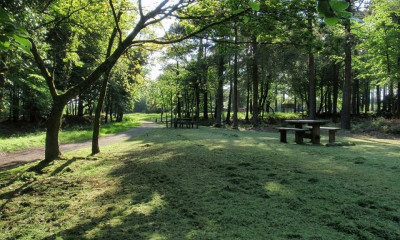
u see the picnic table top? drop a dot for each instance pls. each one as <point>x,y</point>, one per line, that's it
<point>306,121</point>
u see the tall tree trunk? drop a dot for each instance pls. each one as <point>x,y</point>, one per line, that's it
<point>53,125</point>
<point>355,98</point>
<point>398,90</point>
<point>248,101</point>
<point>228,115</point>
<point>80,106</point>
<point>378,99</point>
<point>15,103</point>
<point>312,98</point>
<point>235,84</point>
<point>220,92</point>
<point>197,92</point>
<point>3,69</point>
<point>367,99</point>
<point>346,117</point>
<point>255,82</point>
<point>205,91</point>
<point>97,115</point>
<point>398,99</point>
<point>372,97</point>
<point>384,103</point>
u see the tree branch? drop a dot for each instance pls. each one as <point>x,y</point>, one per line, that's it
<point>45,72</point>
<point>140,9</point>
<point>58,21</point>
<point>169,41</point>
<point>116,19</point>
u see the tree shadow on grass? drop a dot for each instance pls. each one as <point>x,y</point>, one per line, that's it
<point>204,192</point>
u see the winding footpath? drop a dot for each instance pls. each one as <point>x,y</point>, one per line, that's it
<point>13,159</point>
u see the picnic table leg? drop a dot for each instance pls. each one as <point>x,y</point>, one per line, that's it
<point>283,135</point>
<point>299,137</point>
<point>332,136</point>
<point>315,134</point>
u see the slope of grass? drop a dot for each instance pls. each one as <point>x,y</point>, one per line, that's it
<point>209,184</point>
<point>74,134</point>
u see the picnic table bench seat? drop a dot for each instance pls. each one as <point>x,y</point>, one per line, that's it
<point>299,133</point>
<point>332,132</point>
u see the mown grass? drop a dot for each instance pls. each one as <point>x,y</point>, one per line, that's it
<point>71,135</point>
<point>209,184</point>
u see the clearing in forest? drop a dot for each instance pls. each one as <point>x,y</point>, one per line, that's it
<point>209,184</point>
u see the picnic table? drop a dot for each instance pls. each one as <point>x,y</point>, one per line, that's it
<point>181,122</point>
<point>315,129</point>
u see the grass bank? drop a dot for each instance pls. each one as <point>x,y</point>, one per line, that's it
<point>209,184</point>
<point>71,135</point>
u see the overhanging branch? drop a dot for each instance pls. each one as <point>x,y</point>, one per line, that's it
<point>43,69</point>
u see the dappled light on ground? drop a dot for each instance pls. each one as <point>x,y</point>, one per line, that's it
<point>210,184</point>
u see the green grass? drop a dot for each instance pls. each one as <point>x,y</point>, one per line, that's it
<point>209,184</point>
<point>74,134</point>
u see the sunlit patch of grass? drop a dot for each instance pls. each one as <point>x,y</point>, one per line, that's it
<point>73,134</point>
<point>209,184</point>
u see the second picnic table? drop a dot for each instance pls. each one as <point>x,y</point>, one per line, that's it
<point>315,125</point>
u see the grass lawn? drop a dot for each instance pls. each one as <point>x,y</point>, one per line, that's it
<point>71,135</point>
<point>209,184</point>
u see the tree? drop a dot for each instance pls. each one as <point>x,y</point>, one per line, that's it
<point>162,11</point>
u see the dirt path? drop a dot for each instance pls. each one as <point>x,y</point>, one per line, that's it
<point>13,159</point>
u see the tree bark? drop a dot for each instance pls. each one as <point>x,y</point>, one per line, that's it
<point>235,83</point>
<point>100,102</point>
<point>80,106</point>
<point>97,115</point>
<point>335,92</point>
<point>255,82</point>
<point>3,69</point>
<point>248,101</point>
<point>53,125</point>
<point>378,99</point>
<point>220,92</point>
<point>228,115</point>
<point>346,117</point>
<point>311,72</point>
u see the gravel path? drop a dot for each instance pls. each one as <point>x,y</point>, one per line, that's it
<point>13,159</point>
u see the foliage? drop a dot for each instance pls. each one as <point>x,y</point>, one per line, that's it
<point>333,10</point>
<point>11,32</point>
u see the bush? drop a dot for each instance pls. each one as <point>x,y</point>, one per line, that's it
<point>379,124</point>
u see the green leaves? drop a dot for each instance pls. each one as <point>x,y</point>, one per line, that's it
<point>338,6</point>
<point>23,43</point>
<point>333,11</point>
<point>237,11</point>
<point>9,31</point>
<point>254,5</point>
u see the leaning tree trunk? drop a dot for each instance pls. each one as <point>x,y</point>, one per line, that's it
<point>346,106</point>
<point>53,126</point>
<point>97,115</point>
<point>103,91</point>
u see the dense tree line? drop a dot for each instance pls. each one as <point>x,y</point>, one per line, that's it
<point>284,55</point>
<point>87,57</point>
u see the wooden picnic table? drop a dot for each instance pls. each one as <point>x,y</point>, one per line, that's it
<point>188,122</point>
<point>315,125</point>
